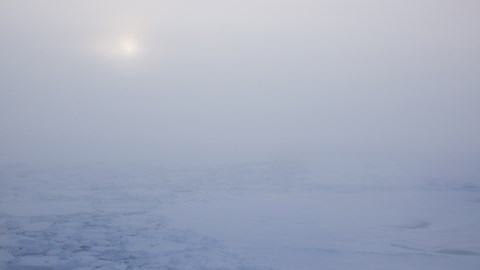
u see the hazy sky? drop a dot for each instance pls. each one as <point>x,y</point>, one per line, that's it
<point>221,79</point>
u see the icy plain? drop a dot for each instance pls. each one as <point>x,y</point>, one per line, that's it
<point>250,216</point>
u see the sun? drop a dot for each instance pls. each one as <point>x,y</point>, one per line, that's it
<point>126,47</point>
<point>129,46</point>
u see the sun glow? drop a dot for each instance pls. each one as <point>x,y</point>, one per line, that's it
<point>119,48</point>
<point>129,46</point>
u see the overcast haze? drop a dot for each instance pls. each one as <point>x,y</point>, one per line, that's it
<point>248,134</point>
<point>148,81</point>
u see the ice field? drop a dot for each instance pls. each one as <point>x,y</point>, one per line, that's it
<point>253,216</point>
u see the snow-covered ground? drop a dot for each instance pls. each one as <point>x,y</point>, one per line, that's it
<point>256,216</point>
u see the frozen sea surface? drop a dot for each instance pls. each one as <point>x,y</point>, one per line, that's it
<point>258,216</point>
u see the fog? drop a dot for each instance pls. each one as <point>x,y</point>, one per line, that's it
<point>249,134</point>
<point>219,81</point>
